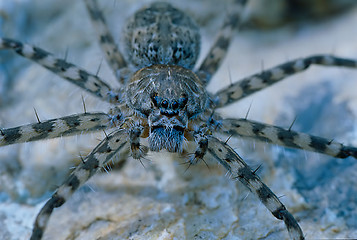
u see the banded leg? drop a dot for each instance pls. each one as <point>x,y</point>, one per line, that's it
<point>102,154</point>
<point>202,144</point>
<point>65,126</point>
<point>287,138</point>
<point>238,169</point>
<point>89,82</point>
<point>257,82</point>
<point>113,56</point>
<point>219,49</point>
<point>138,150</point>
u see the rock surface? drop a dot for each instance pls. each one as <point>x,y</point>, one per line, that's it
<point>162,200</point>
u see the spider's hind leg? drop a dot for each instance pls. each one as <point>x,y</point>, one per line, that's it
<point>219,49</point>
<point>106,41</point>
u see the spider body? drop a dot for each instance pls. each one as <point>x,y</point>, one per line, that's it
<point>165,100</point>
<point>168,97</point>
<point>161,34</point>
<point>163,43</point>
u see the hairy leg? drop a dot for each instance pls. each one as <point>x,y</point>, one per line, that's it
<point>106,41</point>
<point>259,81</point>
<point>285,137</point>
<point>239,170</point>
<point>219,49</point>
<point>111,146</point>
<point>137,150</point>
<point>89,82</point>
<point>65,126</point>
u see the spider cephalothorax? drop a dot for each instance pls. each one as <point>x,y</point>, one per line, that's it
<point>163,98</point>
<point>169,97</point>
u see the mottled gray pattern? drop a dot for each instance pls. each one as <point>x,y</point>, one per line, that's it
<point>239,170</point>
<point>218,50</point>
<point>75,75</point>
<point>161,34</point>
<point>65,126</point>
<point>106,40</point>
<point>97,159</point>
<point>256,82</point>
<point>166,102</point>
<point>286,137</point>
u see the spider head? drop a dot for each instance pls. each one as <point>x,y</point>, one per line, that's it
<point>169,97</point>
<point>169,106</point>
<point>167,122</point>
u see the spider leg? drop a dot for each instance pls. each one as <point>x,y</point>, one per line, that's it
<point>106,41</point>
<point>258,81</point>
<point>202,144</point>
<point>238,169</point>
<point>138,150</point>
<point>285,137</point>
<point>89,82</point>
<point>102,154</point>
<point>64,126</point>
<point>219,49</point>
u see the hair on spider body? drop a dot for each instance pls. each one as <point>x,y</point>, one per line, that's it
<point>164,99</point>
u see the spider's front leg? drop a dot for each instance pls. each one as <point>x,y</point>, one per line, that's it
<point>113,145</point>
<point>238,169</point>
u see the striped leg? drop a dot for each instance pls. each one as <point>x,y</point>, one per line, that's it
<point>114,58</point>
<point>138,150</point>
<point>104,152</point>
<point>75,75</point>
<point>65,126</point>
<point>287,138</point>
<point>266,78</point>
<point>238,169</point>
<point>219,49</point>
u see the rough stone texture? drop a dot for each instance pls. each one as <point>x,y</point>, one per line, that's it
<point>163,201</point>
<point>269,14</point>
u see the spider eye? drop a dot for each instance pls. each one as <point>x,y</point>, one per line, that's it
<point>174,105</point>
<point>164,104</point>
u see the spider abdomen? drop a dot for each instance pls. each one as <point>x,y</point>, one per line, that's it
<point>161,34</point>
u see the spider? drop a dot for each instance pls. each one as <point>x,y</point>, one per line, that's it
<point>166,112</point>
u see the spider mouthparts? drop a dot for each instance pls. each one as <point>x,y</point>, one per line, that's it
<point>162,137</point>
